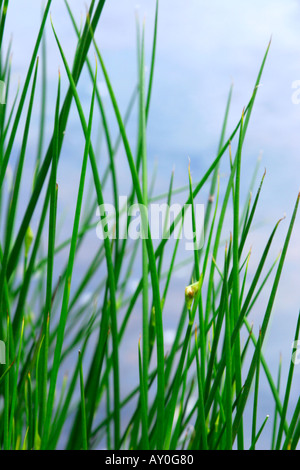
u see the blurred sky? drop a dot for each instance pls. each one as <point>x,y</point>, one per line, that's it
<point>202,48</point>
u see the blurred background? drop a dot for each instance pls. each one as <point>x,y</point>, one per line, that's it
<point>202,48</point>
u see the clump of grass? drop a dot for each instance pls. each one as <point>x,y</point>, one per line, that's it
<point>43,322</point>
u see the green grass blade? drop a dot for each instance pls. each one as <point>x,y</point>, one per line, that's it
<point>83,412</point>
<point>252,368</point>
<point>23,96</point>
<point>287,390</point>
<point>65,302</point>
<point>252,447</point>
<point>144,412</point>
<point>255,401</point>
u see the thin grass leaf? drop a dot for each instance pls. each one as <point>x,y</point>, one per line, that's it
<point>252,447</point>
<point>65,302</point>
<point>255,401</point>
